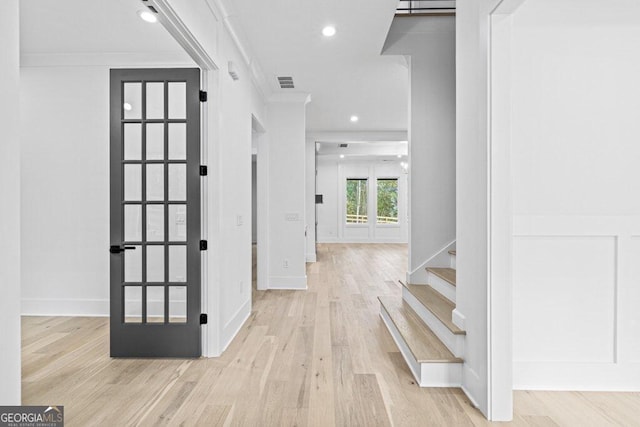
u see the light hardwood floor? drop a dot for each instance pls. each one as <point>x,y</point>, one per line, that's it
<point>315,358</point>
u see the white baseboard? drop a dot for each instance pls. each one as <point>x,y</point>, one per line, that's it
<point>474,388</point>
<point>233,325</point>
<point>287,282</point>
<point>418,276</point>
<point>337,240</point>
<point>562,376</point>
<point>469,396</point>
<point>458,319</point>
<point>311,257</point>
<point>65,307</point>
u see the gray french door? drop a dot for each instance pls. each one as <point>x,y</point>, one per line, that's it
<point>155,213</point>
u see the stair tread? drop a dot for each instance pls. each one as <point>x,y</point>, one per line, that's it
<point>436,303</point>
<point>452,252</point>
<point>447,274</point>
<point>423,343</point>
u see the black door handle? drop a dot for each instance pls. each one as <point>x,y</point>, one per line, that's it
<point>115,249</point>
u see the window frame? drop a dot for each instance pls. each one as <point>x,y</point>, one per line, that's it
<point>344,217</point>
<point>388,178</point>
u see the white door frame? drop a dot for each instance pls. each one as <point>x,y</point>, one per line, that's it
<point>210,208</point>
<point>499,293</point>
<point>262,209</point>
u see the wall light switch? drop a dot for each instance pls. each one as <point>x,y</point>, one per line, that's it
<point>292,217</point>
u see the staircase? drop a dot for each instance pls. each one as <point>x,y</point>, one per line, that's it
<point>422,327</point>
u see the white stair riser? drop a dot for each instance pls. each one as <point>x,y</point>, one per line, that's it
<point>442,286</point>
<point>441,375</point>
<point>426,374</point>
<point>452,261</point>
<point>455,343</point>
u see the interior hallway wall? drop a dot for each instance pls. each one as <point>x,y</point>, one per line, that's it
<point>65,191</point>
<point>331,178</point>
<point>64,126</point>
<point>429,42</point>
<point>575,108</point>
<point>10,386</point>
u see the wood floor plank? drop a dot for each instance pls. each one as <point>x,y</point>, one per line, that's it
<point>320,357</point>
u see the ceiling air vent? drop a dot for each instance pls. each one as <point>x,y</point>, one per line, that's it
<point>286,82</point>
<point>343,145</point>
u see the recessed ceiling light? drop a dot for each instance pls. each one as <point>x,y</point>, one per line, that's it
<point>127,106</point>
<point>329,31</point>
<point>148,16</point>
<point>342,156</point>
<point>354,119</point>
<point>399,156</point>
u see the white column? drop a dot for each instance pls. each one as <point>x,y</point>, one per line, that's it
<point>10,211</point>
<point>286,134</point>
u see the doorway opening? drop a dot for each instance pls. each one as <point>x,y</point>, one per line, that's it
<point>259,205</point>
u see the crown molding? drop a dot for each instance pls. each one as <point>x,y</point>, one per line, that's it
<point>299,97</point>
<point>128,59</point>
<point>225,14</point>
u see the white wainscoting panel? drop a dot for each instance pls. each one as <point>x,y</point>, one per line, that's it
<point>564,298</point>
<point>629,300</point>
<point>576,302</point>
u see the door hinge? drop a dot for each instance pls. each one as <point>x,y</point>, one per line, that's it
<point>203,96</point>
<point>203,245</point>
<point>203,318</point>
<point>203,170</point>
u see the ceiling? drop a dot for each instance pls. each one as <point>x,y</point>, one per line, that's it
<point>345,74</point>
<point>361,150</point>
<point>90,26</point>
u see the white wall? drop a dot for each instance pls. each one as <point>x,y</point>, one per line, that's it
<point>575,100</point>
<point>67,178</point>
<point>65,190</point>
<point>228,195</point>
<point>310,199</point>
<point>331,181</point>
<point>286,157</point>
<point>430,43</point>
<point>10,213</point>
<point>472,209</point>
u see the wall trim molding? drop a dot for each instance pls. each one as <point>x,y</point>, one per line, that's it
<point>185,38</point>
<point>288,282</point>
<point>440,259</point>
<point>298,97</point>
<point>65,307</point>
<point>360,241</point>
<point>458,319</point>
<point>233,326</point>
<point>572,376</point>
<point>368,136</point>
<point>128,59</point>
